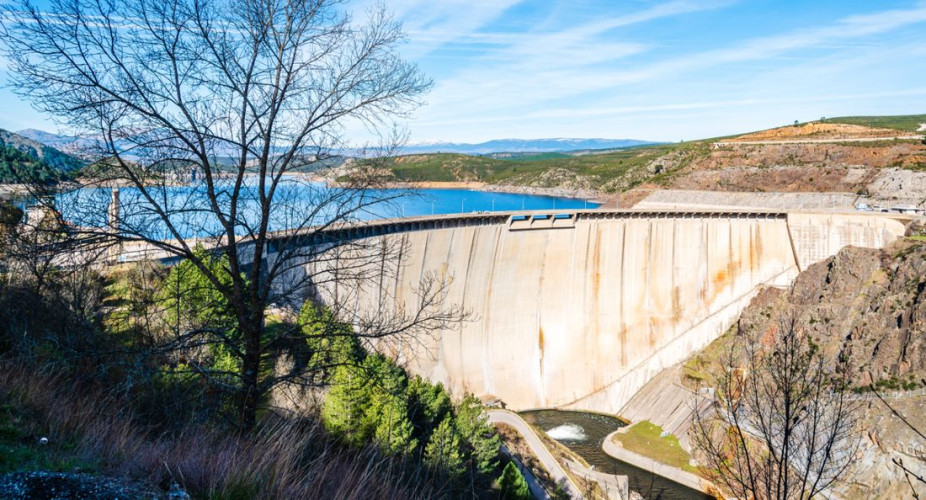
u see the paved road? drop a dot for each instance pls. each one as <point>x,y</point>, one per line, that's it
<point>615,487</point>
<point>533,484</point>
<point>538,448</point>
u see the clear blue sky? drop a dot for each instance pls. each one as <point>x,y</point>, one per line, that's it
<point>647,69</point>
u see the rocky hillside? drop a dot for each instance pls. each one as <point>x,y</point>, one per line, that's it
<point>796,167</point>
<point>864,306</point>
<point>826,130</point>
<point>867,307</point>
<point>881,157</point>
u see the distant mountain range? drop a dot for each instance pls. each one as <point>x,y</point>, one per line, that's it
<point>83,147</point>
<point>522,146</point>
<point>73,144</point>
<point>57,141</point>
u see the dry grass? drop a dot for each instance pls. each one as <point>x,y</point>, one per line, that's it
<point>284,459</point>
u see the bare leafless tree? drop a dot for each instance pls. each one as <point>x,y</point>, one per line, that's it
<point>211,118</point>
<point>783,425</point>
<point>914,479</point>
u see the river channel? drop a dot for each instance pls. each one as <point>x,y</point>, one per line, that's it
<point>583,433</point>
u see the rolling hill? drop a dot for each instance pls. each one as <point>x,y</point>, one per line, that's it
<point>25,160</point>
<point>523,146</point>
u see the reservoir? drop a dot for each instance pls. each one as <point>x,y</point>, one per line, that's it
<point>584,432</point>
<point>297,203</point>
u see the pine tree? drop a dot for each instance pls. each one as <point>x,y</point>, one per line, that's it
<point>476,431</point>
<point>346,404</point>
<point>443,450</point>
<point>512,484</point>
<point>329,343</point>
<point>191,300</point>
<point>393,430</point>
<point>428,405</point>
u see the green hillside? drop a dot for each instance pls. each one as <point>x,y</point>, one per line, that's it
<point>25,161</point>
<point>19,167</point>
<point>908,123</point>
<point>628,164</point>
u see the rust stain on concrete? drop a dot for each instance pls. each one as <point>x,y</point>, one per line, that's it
<point>721,278</point>
<point>610,306</point>
<point>676,304</point>
<point>540,345</point>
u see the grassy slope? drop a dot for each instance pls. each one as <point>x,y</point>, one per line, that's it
<point>526,171</point>
<point>908,123</point>
<point>21,451</point>
<point>644,438</point>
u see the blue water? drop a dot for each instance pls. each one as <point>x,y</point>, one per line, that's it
<point>296,204</point>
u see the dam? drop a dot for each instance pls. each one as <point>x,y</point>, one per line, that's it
<point>578,310</point>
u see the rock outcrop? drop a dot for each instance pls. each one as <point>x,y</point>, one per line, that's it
<point>868,308</point>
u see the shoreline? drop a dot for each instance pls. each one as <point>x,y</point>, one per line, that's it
<point>552,192</point>
<point>592,196</point>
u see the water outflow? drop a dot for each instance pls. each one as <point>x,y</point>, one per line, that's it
<point>584,433</point>
<point>567,432</point>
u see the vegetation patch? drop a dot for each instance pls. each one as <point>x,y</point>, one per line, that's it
<point>610,171</point>
<point>908,123</point>
<point>21,167</point>
<point>645,438</point>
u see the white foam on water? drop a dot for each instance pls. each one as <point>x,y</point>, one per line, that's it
<point>567,432</point>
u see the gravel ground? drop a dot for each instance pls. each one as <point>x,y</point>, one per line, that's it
<point>64,486</point>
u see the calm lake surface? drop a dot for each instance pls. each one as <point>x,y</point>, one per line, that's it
<point>584,432</point>
<point>297,203</point>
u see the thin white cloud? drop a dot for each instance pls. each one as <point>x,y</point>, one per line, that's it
<point>848,29</point>
<point>512,83</point>
<point>432,24</point>
<point>537,66</point>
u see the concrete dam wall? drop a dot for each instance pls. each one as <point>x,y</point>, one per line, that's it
<point>580,311</point>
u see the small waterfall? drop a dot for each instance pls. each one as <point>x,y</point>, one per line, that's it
<point>567,432</point>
